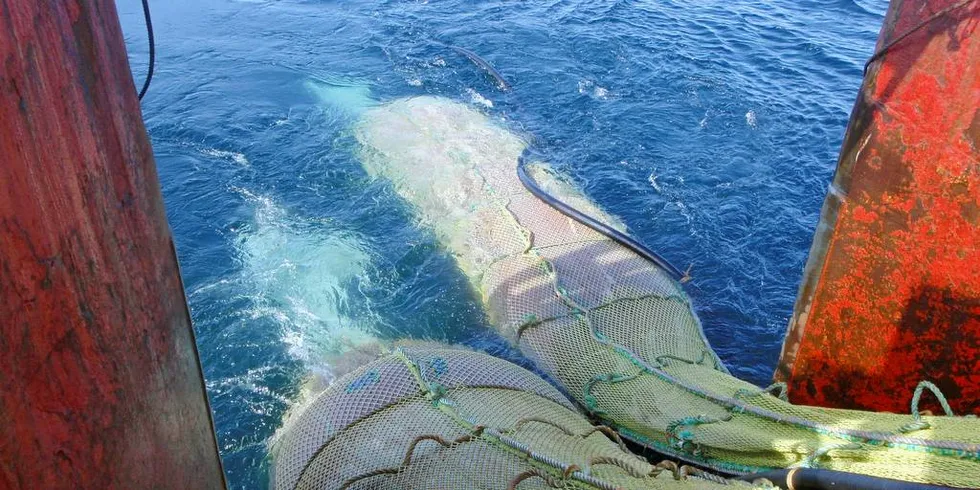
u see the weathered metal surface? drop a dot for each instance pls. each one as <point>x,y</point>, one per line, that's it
<point>891,291</point>
<point>100,385</point>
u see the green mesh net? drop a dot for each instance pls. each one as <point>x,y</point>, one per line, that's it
<point>439,418</point>
<point>616,331</point>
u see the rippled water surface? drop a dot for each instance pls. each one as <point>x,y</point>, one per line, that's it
<point>710,127</point>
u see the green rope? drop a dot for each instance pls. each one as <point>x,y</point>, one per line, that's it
<point>814,458</point>
<point>745,392</point>
<point>659,359</point>
<point>590,400</point>
<point>917,422</point>
<point>684,439</point>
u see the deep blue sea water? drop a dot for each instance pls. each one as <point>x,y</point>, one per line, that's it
<point>711,127</point>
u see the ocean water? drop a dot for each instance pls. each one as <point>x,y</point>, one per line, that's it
<point>711,128</point>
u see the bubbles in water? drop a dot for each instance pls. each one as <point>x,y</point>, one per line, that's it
<point>750,119</point>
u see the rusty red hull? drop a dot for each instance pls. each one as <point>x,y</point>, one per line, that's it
<point>101,385</point>
<point>891,291</point>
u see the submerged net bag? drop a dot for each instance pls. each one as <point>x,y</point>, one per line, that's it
<point>438,418</point>
<point>616,331</point>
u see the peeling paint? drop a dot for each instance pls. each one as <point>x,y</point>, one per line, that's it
<point>892,286</point>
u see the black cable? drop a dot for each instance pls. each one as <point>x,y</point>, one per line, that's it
<point>149,35</point>
<point>821,479</point>
<point>881,52</point>
<point>600,227</point>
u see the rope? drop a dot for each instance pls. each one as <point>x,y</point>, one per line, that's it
<point>407,460</point>
<point>437,438</point>
<point>917,422</point>
<point>745,392</point>
<point>383,471</point>
<point>659,359</point>
<point>152,44</point>
<point>690,471</point>
<point>884,49</point>
<point>495,437</point>
<point>610,433</point>
<point>812,460</point>
<point>614,461</point>
<point>684,440</point>
<point>590,400</point>
<point>683,472</point>
<point>666,465</point>
<point>535,473</point>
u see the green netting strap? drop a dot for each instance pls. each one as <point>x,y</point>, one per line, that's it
<point>684,439</point>
<point>747,393</point>
<point>660,359</point>
<point>813,459</point>
<point>433,391</point>
<point>949,448</point>
<point>590,400</point>
<point>733,403</point>
<point>545,463</point>
<point>953,448</point>
<point>917,422</point>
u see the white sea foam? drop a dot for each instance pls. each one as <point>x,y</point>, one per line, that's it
<point>653,182</point>
<point>590,88</point>
<point>301,276</point>
<point>234,156</point>
<point>476,98</point>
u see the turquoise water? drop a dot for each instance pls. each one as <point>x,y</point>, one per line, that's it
<point>711,128</point>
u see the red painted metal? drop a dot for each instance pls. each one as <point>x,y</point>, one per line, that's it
<point>891,291</point>
<point>100,385</point>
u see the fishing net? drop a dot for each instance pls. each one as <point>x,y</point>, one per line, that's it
<point>616,331</point>
<point>440,418</point>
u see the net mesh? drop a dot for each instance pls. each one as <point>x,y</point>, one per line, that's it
<point>616,331</point>
<point>442,418</point>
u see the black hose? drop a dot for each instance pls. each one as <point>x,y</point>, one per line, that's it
<point>819,479</point>
<point>149,35</point>
<point>897,39</point>
<point>600,227</point>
